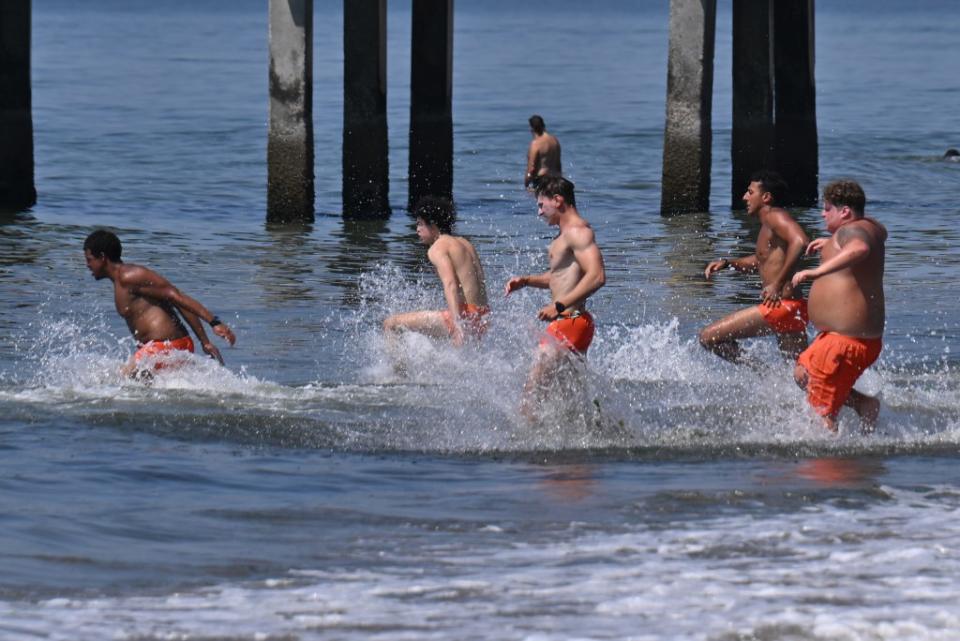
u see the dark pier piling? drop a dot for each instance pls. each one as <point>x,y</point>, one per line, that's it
<point>290,184</point>
<point>366,179</point>
<point>687,139</point>
<point>431,90</point>
<point>17,190</point>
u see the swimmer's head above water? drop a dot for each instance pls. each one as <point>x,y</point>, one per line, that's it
<point>952,155</point>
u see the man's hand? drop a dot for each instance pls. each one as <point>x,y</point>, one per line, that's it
<point>515,283</point>
<point>548,312</point>
<point>801,276</point>
<point>771,295</point>
<point>716,266</point>
<point>224,332</point>
<point>211,350</point>
<point>816,245</point>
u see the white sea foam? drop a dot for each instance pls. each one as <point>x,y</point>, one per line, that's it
<point>883,572</point>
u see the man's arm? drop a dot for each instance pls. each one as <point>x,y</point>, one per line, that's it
<point>146,282</point>
<point>855,246</point>
<point>532,154</point>
<point>451,287</point>
<point>787,229</point>
<point>539,281</point>
<point>197,326</point>
<point>746,264</point>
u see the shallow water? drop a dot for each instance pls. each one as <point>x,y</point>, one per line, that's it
<point>308,491</point>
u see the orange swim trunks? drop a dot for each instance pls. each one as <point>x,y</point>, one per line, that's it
<point>473,317</point>
<point>162,348</point>
<point>575,332</point>
<point>834,362</point>
<point>789,317</point>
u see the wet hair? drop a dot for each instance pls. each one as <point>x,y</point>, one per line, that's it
<point>847,193</point>
<point>951,153</point>
<point>551,186</point>
<point>438,211</point>
<point>536,123</point>
<point>104,243</point>
<point>771,182</point>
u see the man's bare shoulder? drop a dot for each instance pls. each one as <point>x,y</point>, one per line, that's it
<point>865,230</point>
<point>578,233</point>
<point>133,275</point>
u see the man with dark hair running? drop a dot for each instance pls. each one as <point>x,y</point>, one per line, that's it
<point>460,272</point>
<point>149,303</point>
<point>576,271</point>
<point>780,245</point>
<point>543,156</point>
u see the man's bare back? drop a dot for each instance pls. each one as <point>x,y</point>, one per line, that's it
<point>460,254</point>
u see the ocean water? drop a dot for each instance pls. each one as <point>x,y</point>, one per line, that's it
<point>307,491</point>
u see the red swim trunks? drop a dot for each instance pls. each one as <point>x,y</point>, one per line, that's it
<point>789,317</point>
<point>834,362</point>
<point>575,332</point>
<point>163,348</point>
<point>473,318</point>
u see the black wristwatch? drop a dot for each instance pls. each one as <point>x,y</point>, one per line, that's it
<point>561,308</point>
<point>215,321</point>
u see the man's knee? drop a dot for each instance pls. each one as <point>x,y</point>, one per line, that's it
<point>800,376</point>
<point>391,324</point>
<point>708,338</point>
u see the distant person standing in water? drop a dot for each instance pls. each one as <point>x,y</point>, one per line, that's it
<point>846,306</point>
<point>780,244</point>
<point>543,156</point>
<point>458,266</point>
<point>576,271</point>
<point>149,303</point>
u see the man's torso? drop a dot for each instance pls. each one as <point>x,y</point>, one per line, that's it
<point>466,265</point>
<point>148,319</point>
<point>565,271</point>
<point>850,301</point>
<point>546,155</point>
<point>771,254</point>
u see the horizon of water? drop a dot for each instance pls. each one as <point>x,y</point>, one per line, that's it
<point>308,491</point>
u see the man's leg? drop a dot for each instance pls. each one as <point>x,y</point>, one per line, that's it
<point>867,408</point>
<point>721,337</point>
<point>545,364</point>
<point>792,344</point>
<point>802,377</point>
<point>431,323</point>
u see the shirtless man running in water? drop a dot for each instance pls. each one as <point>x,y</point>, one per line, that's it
<point>460,272</point>
<point>846,306</point>
<point>149,303</point>
<point>576,272</point>
<point>780,244</point>
<point>543,156</point>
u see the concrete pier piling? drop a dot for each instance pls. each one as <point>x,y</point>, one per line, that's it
<point>366,179</point>
<point>290,182</point>
<point>752,134</point>
<point>431,90</point>
<point>17,190</point>
<point>687,139</point>
<point>795,111</point>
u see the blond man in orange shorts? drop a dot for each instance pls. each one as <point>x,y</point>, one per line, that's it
<point>846,306</point>
<point>576,272</point>
<point>782,310</point>
<point>460,272</point>
<point>149,303</point>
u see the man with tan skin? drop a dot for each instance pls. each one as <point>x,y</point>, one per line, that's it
<point>576,272</point>
<point>846,306</point>
<point>780,244</point>
<point>543,156</point>
<point>149,303</point>
<point>460,272</point>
